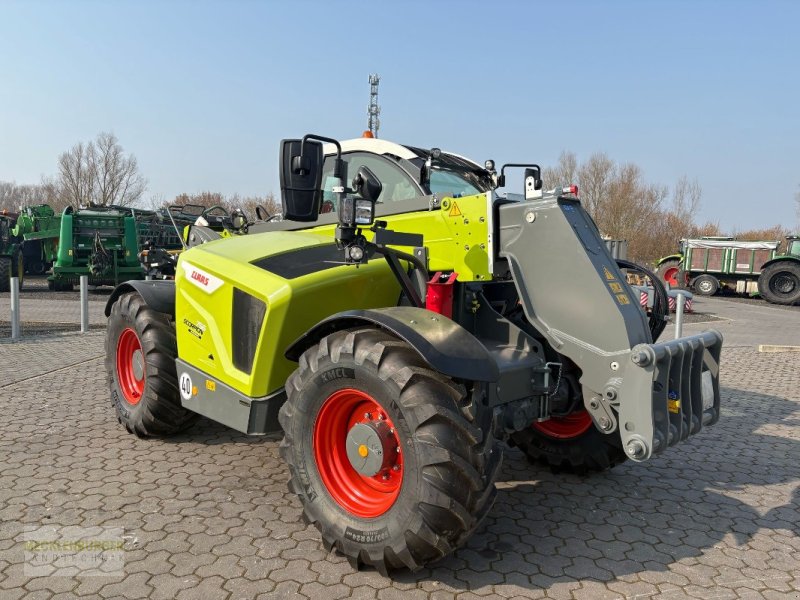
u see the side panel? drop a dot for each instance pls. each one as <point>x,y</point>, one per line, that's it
<point>205,301</point>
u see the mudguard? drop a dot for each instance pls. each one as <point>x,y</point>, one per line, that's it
<point>442,343</point>
<point>158,295</point>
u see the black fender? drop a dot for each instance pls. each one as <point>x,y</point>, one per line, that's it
<point>779,259</point>
<point>444,344</point>
<point>158,294</point>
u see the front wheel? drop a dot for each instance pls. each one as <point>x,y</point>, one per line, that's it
<point>394,463</point>
<point>140,364</point>
<point>779,283</point>
<point>570,443</point>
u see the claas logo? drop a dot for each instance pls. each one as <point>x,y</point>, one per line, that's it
<point>200,277</point>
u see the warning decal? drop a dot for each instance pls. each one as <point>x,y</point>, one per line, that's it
<point>609,275</point>
<point>616,287</point>
<point>622,299</point>
<point>454,210</point>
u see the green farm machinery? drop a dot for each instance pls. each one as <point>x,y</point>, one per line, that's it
<point>708,265</point>
<point>11,259</point>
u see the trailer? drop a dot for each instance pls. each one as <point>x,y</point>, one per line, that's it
<point>708,265</point>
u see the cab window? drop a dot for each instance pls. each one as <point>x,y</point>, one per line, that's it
<point>454,183</point>
<point>397,184</point>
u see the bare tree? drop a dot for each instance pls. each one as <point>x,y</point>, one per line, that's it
<point>99,172</point>
<point>686,197</point>
<point>594,181</point>
<point>118,178</point>
<point>564,173</point>
<point>14,196</point>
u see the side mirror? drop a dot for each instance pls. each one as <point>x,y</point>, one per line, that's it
<point>534,176</point>
<point>301,175</point>
<point>533,184</point>
<point>367,185</point>
<point>427,167</point>
<point>238,220</point>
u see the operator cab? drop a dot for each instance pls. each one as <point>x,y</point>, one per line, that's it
<point>406,172</point>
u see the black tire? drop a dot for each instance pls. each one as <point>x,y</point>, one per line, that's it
<point>5,273</point>
<point>705,285</point>
<point>591,451</point>
<point>450,458</point>
<point>158,410</point>
<point>58,286</point>
<point>779,283</point>
<point>670,265</point>
<point>18,268</point>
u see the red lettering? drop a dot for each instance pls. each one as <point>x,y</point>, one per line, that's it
<point>199,277</point>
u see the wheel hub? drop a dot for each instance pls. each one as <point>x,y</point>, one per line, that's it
<point>784,284</point>
<point>130,366</point>
<point>371,447</point>
<point>137,362</point>
<point>357,453</point>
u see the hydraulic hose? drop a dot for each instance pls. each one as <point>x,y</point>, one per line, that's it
<point>659,316</point>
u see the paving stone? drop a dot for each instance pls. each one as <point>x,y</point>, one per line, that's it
<point>208,514</point>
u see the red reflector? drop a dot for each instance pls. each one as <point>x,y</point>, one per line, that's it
<point>570,189</point>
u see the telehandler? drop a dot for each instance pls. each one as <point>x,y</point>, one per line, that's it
<point>400,323</point>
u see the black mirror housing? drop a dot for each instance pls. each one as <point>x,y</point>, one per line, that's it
<point>536,174</point>
<point>367,185</point>
<point>301,176</point>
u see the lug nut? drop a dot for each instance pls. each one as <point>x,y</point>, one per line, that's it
<point>604,423</point>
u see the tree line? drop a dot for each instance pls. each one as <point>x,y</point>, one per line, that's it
<point>651,217</point>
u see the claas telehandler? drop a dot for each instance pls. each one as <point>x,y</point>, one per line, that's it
<point>399,326</point>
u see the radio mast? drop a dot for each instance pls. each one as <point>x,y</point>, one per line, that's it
<point>373,110</point>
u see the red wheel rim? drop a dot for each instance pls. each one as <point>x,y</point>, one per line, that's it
<point>358,494</point>
<point>564,428</point>
<point>130,366</point>
<point>671,275</point>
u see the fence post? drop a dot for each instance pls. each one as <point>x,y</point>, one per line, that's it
<point>15,332</point>
<point>679,302</point>
<point>84,304</point>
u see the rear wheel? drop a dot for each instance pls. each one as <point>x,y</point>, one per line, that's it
<point>18,268</point>
<point>779,283</point>
<point>5,273</point>
<point>706,285</point>
<point>394,463</point>
<point>670,272</point>
<point>569,443</point>
<point>140,364</point>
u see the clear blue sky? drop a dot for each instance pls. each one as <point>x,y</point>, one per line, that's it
<point>201,92</point>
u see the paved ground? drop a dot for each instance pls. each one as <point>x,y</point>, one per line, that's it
<point>745,323</point>
<point>208,515</point>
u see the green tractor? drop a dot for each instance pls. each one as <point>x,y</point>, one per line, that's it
<point>11,259</point>
<point>399,325</point>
